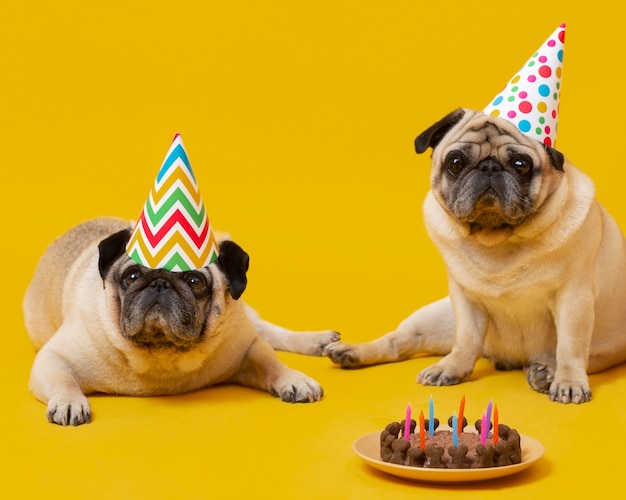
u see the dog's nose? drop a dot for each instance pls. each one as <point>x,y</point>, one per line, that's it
<point>490,165</point>
<point>160,284</point>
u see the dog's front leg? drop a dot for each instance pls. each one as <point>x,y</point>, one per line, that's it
<point>52,382</point>
<point>471,328</point>
<point>574,318</point>
<point>262,369</point>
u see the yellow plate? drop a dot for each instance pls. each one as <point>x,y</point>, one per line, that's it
<point>368,448</point>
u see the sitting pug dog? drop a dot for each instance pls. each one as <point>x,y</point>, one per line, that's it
<point>103,323</point>
<point>537,269</point>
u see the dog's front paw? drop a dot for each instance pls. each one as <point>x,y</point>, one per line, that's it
<point>450,370</point>
<point>436,375</point>
<point>569,391</point>
<point>342,354</point>
<point>296,387</point>
<point>69,411</point>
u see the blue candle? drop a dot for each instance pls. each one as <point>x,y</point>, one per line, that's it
<point>455,430</point>
<point>431,417</point>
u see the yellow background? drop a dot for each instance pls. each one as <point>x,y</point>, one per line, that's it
<point>299,119</point>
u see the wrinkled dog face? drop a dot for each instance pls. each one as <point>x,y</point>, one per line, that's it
<point>485,172</point>
<point>484,178</point>
<point>159,308</point>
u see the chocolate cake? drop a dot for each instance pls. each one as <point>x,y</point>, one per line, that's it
<point>439,452</point>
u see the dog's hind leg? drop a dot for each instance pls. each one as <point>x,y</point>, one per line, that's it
<point>429,330</point>
<point>283,339</point>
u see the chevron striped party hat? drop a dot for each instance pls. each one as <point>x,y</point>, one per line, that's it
<point>530,100</point>
<point>173,231</point>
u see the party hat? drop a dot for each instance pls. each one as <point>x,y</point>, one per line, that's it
<point>531,99</point>
<point>173,231</point>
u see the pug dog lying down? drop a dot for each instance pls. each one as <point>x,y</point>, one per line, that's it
<point>103,323</point>
<point>536,266</point>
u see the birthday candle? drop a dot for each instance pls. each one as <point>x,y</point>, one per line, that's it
<point>488,416</point>
<point>407,422</point>
<point>461,414</point>
<point>422,433</point>
<point>431,417</point>
<point>495,425</point>
<point>455,430</point>
<point>483,429</point>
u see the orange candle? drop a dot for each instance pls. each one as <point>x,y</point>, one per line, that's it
<point>461,411</point>
<point>495,425</point>
<point>422,434</point>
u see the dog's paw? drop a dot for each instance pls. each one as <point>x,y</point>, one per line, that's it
<point>342,354</point>
<point>296,387</point>
<point>437,375</point>
<point>315,343</point>
<point>69,411</point>
<point>540,377</point>
<point>567,391</point>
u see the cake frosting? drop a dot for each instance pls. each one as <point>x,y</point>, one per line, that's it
<point>439,452</point>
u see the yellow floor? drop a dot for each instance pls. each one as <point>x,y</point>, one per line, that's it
<point>299,120</point>
<point>235,442</point>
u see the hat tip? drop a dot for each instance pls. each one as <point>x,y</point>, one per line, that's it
<point>531,98</point>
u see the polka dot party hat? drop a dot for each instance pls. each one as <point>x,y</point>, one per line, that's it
<point>531,98</point>
<point>173,231</point>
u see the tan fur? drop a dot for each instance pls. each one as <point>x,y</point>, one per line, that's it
<point>73,321</point>
<point>547,294</point>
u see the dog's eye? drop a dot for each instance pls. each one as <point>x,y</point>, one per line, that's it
<point>196,282</point>
<point>130,276</point>
<point>455,162</point>
<point>522,164</point>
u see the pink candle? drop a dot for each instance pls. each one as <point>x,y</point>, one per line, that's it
<point>488,416</point>
<point>407,422</point>
<point>483,429</point>
<point>461,412</point>
<point>422,436</point>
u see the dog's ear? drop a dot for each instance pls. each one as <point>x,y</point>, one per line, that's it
<point>556,157</point>
<point>110,249</point>
<point>234,262</point>
<point>433,134</point>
